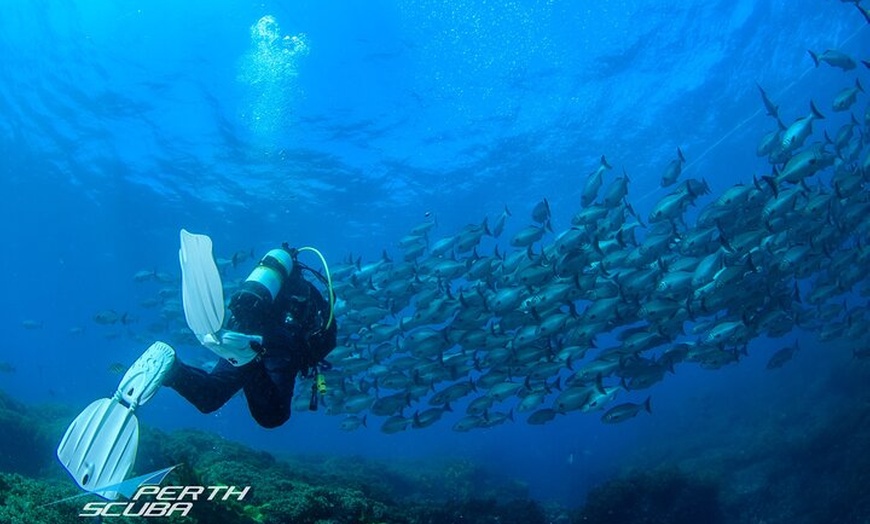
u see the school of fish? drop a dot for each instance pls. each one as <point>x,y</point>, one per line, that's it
<point>463,330</point>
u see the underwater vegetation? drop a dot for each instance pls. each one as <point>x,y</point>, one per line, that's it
<point>307,489</point>
<point>796,463</point>
<point>340,489</point>
<point>667,496</point>
<point>27,436</point>
<point>21,497</point>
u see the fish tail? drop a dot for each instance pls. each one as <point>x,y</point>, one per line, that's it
<point>815,112</point>
<point>604,163</point>
<point>814,56</point>
<point>647,406</point>
<point>599,385</point>
<point>771,182</point>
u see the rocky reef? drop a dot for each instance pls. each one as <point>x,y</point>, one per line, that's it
<point>791,462</point>
<point>665,496</point>
<point>307,489</point>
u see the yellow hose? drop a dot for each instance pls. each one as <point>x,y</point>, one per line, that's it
<point>328,282</point>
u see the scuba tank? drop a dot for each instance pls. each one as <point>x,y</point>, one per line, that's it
<point>251,304</point>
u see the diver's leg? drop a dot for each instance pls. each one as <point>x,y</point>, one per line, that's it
<point>209,391</point>
<point>270,391</point>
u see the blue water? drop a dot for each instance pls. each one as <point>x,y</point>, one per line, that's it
<point>122,122</point>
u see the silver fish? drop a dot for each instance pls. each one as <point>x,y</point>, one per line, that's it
<point>626,411</point>
<point>833,58</point>
<point>795,135</point>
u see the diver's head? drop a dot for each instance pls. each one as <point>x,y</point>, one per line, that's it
<point>250,304</point>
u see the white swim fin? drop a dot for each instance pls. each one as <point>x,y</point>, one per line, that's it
<point>202,292</point>
<point>99,447</point>
<point>203,298</point>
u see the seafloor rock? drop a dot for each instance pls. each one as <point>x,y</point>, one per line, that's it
<point>321,489</point>
<point>26,440</point>
<point>27,501</point>
<point>480,511</point>
<point>666,496</point>
<point>329,489</point>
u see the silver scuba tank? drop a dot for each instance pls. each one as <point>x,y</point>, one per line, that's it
<point>250,304</point>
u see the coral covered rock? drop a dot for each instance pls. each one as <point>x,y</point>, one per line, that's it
<point>665,496</point>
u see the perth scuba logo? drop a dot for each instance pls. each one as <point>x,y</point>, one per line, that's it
<point>163,501</point>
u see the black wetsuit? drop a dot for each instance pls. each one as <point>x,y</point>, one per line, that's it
<point>293,341</point>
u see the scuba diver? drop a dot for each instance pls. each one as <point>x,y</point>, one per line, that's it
<point>279,325</point>
<point>293,320</point>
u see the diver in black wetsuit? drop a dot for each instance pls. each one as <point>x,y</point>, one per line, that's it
<point>297,330</point>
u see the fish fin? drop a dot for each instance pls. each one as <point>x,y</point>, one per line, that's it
<point>599,384</point>
<point>815,111</point>
<point>771,182</point>
<point>723,240</point>
<point>572,310</point>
